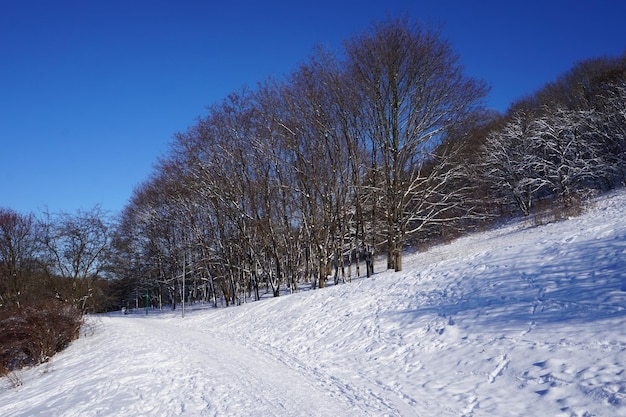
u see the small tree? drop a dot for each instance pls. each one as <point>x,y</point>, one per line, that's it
<point>77,248</point>
<point>19,252</point>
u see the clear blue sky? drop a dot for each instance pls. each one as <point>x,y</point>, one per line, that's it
<point>91,92</point>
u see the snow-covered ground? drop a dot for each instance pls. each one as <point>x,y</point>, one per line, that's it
<point>518,321</point>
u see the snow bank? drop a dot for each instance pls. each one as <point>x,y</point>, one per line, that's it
<point>517,321</point>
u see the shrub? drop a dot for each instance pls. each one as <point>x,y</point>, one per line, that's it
<point>32,334</point>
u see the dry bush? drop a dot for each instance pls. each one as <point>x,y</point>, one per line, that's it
<point>552,211</point>
<point>32,334</point>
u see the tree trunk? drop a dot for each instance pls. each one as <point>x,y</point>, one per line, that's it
<point>391,249</point>
<point>322,273</point>
<point>398,257</point>
<point>369,261</point>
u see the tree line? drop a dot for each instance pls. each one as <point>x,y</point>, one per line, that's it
<point>310,177</point>
<point>341,165</point>
<point>563,143</point>
<point>62,257</point>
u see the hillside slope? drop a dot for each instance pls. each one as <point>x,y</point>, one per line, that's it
<point>517,321</point>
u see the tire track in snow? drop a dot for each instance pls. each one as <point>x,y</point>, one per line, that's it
<point>367,393</point>
<point>162,367</point>
<point>207,374</point>
<point>363,399</point>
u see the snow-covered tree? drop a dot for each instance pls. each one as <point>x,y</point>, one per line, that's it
<point>508,161</point>
<point>567,153</point>
<point>413,90</point>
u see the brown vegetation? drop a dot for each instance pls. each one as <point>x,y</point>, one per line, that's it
<point>32,334</point>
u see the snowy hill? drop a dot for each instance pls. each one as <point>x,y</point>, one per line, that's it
<point>519,321</point>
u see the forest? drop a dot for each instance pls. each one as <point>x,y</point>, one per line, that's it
<point>329,173</point>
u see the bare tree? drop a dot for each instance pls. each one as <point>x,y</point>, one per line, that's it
<point>413,89</point>
<point>612,129</point>
<point>19,253</point>
<point>77,246</point>
<point>568,157</point>
<point>508,162</point>
<point>555,154</point>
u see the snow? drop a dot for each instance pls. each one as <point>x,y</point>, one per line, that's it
<point>522,320</point>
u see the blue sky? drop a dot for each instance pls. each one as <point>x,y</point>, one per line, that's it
<point>91,92</point>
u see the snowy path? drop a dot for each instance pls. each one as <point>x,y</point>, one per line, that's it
<point>155,367</point>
